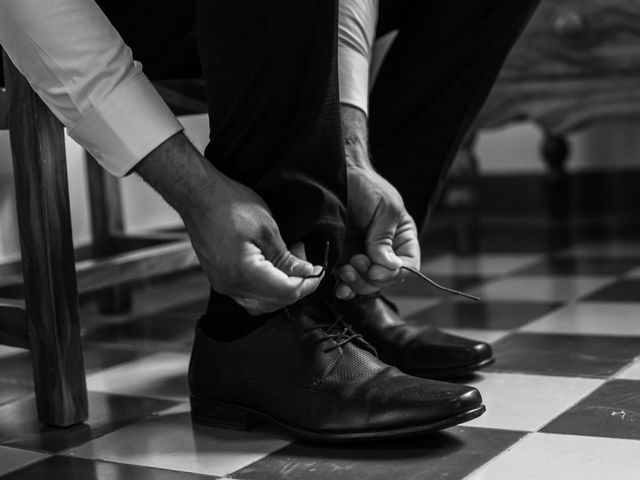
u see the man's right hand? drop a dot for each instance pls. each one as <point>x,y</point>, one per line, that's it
<point>232,230</point>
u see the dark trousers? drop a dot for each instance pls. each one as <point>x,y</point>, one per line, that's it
<point>270,73</point>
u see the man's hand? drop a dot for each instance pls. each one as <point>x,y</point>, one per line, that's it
<point>231,228</point>
<point>376,208</point>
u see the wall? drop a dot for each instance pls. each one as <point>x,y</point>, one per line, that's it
<point>515,149</point>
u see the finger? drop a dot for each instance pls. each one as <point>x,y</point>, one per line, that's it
<point>356,282</point>
<point>261,280</point>
<point>406,243</point>
<point>306,288</point>
<point>361,263</point>
<point>299,251</point>
<point>284,289</point>
<point>344,292</point>
<point>379,274</point>
<point>380,236</point>
<point>275,250</point>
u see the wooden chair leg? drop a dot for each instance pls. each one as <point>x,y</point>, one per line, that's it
<point>42,197</point>
<point>106,218</point>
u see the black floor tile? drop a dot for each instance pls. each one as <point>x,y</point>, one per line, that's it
<point>571,265</point>
<point>622,291</point>
<point>69,468</point>
<point>613,410</point>
<point>451,455</point>
<point>21,428</point>
<point>482,315</point>
<point>18,367</point>
<point>568,355</point>
<point>414,286</point>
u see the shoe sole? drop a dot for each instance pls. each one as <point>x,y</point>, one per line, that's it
<point>461,371</point>
<point>224,415</point>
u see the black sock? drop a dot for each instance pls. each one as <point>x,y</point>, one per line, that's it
<point>225,320</point>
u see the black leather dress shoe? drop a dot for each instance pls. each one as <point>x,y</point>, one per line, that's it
<point>309,374</point>
<point>419,350</point>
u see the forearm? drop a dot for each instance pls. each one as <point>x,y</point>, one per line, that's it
<point>355,133</point>
<point>181,175</point>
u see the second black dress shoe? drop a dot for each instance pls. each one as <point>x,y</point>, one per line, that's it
<point>306,372</point>
<point>420,350</point>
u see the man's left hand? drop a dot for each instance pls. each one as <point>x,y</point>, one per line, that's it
<point>375,208</point>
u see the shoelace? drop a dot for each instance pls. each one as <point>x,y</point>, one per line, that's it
<point>438,286</point>
<point>341,332</point>
<point>408,269</point>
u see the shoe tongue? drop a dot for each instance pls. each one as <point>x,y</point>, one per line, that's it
<point>323,314</point>
<point>318,311</point>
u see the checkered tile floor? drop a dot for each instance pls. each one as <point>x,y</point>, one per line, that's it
<point>563,398</point>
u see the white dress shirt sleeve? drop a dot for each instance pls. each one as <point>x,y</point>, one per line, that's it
<point>356,34</point>
<point>79,65</point>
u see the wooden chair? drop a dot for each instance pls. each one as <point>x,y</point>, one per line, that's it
<point>49,325</point>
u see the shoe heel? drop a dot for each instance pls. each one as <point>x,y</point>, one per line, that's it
<point>215,414</point>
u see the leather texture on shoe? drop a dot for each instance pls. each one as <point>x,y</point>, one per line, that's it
<point>295,373</point>
<point>421,350</point>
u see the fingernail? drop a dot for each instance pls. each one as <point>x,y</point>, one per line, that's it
<point>377,275</point>
<point>302,268</point>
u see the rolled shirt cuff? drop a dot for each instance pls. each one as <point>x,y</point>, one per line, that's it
<point>130,123</point>
<point>353,68</point>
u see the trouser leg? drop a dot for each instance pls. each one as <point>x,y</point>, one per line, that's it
<point>432,84</point>
<point>161,35</point>
<point>271,79</point>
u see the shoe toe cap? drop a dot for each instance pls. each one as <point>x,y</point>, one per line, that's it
<point>469,400</point>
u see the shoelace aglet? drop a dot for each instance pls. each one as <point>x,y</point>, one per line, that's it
<point>325,263</point>
<point>438,286</point>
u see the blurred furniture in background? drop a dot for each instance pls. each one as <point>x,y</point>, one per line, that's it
<point>577,63</point>
<point>49,325</point>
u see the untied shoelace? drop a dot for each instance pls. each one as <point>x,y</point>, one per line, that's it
<point>340,331</point>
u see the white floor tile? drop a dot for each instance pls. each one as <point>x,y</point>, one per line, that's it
<point>541,288</point>
<point>631,373</point>
<point>527,402</point>
<point>163,376</point>
<point>410,305</point>
<point>564,457</point>
<point>12,459</point>
<point>483,265</point>
<point>483,335</point>
<point>170,441</point>
<point>596,318</point>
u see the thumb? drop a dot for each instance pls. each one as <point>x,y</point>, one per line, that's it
<point>379,238</point>
<point>292,264</point>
